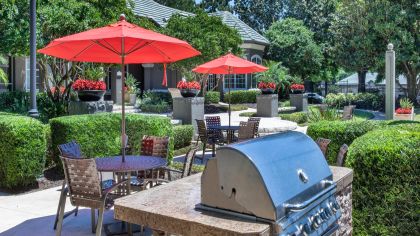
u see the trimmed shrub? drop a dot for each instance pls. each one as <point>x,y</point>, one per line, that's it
<point>183,135</point>
<point>298,117</point>
<point>242,96</point>
<point>99,135</point>
<point>340,132</point>
<point>156,102</point>
<point>386,189</point>
<point>155,108</point>
<point>23,148</point>
<point>369,101</point>
<point>212,97</point>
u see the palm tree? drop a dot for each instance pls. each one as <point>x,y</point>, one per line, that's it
<point>3,75</point>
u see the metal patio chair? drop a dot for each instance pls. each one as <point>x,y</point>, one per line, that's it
<point>348,112</point>
<point>342,155</point>
<point>206,138</point>
<point>85,189</point>
<point>257,125</point>
<point>246,130</point>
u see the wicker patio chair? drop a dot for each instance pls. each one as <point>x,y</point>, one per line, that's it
<point>348,112</point>
<point>186,170</point>
<point>84,189</point>
<point>214,121</point>
<point>257,125</point>
<point>246,130</point>
<point>73,150</point>
<point>323,145</point>
<point>206,138</point>
<point>342,154</point>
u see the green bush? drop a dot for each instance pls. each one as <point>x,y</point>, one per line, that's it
<point>242,96</point>
<point>386,188</point>
<point>155,108</point>
<point>158,96</point>
<point>183,135</point>
<point>212,97</point>
<point>99,135</point>
<point>14,102</point>
<point>369,101</point>
<point>156,102</point>
<point>22,150</point>
<point>339,132</point>
<point>298,117</point>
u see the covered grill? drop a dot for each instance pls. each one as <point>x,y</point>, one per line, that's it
<point>283,179</point>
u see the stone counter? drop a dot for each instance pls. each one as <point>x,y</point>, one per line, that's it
<point>171,208</point>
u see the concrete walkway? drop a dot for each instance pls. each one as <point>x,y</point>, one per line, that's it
<point>267,124</point>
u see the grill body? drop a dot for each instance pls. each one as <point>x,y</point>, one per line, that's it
<point>282,179</point>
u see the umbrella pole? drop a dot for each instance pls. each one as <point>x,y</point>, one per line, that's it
<point>229,94</point>
<point>123,136</point>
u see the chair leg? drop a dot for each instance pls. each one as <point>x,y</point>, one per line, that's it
<point>92,219</point>
<point>100,220</point>
<point>60,218</point>
<point>213,151</point>
<point>62,196</point>
<point>76,211</point>
<point>204,150</point>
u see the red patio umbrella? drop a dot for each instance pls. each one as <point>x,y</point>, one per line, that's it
<point>120,43</point>
<point>229,64</point>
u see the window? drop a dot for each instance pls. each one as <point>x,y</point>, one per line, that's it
<point>212,82</point>
<point>28,75</point>
<point>236,81</point>
<point>257,60</point>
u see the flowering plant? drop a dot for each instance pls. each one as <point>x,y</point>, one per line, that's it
<point>188,85</point>
<point>84,84</point>
<point>403,111</point>
<point>267,85</point>
<point>300,87</point>
<point>61,89</point>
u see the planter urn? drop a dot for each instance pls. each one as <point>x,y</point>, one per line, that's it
<point>188,93</point>
<point>300,101</point>
<point>90,95</point>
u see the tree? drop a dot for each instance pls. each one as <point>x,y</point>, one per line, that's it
<point>397,22</point>
<point>3,75</point>
<point>259,14</point>
<point>293,45</point>
<point>208,34</point>
<point>215,5</point>
<point>183,5</point>
<point>354,41</point>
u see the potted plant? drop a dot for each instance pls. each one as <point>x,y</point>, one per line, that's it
<point>297,88</point>
<point>90,87</point>
<point>132,89</point>
<point>406,110</point>
<point>188,89</point>
<point>267,87</point>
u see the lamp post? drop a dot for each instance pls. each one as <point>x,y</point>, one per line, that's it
<point>33,112</point>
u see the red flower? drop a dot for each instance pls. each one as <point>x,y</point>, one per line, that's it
<point>83,84</point>
<point>403,111</point>
<point>266,85</point>
<point>53,89</point>
<point>188,85</point>
<point>297,87</point>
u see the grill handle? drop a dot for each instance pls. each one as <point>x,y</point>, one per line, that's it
<point>299,206</point>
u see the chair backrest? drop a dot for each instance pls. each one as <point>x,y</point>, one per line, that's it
<point>323,145</point>
<point>246,130</point>
<point>155,146</point>
<point>82,179</point>
<point>348,112</point>
<point>175,93</point>
<point>213,121</point>
<point>202,131</point>
<point>188,162</point>
<point>342,154</point>
<point>256,120</point>
<point>71,149</point>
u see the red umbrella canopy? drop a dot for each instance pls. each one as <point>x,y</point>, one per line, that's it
<point>108,44</point>
<point>229,64</point>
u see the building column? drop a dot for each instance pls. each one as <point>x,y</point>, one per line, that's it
<point>390,82</point>
<point>33,112</point>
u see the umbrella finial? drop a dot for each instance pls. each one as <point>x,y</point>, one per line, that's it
<point>122,17</point>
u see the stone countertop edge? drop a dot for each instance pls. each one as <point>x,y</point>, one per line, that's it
<point>169,208</point>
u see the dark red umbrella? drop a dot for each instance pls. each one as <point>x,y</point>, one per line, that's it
<point>229,64</point>
<point>120,43</point>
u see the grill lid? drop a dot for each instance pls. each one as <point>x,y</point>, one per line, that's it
<point>265,175</point>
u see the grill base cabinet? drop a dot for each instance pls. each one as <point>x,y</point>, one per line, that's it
<point>282,179</point>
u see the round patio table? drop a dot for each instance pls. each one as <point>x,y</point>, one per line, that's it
<point>132,163</point>
<point>230,130</point>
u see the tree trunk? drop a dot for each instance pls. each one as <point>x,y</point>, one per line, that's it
<point>412,86</point>
<point>361,88</point>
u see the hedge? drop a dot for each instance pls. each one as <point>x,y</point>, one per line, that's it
<point>23,148</point>
<point>386,188</point>
<point>298,117</point>
<point>212,97</point>
<point>367,101</point>
<point>99,135</point>
<point>183,135</point>
<point>242,96</point>
<point>340,132</point>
